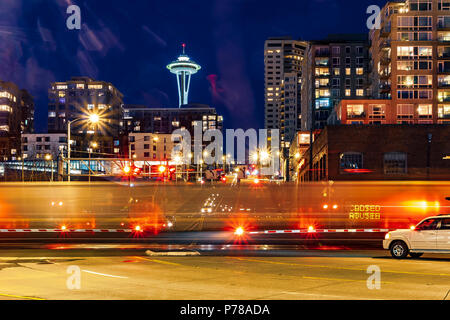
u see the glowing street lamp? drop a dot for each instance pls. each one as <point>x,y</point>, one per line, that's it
<point>93,145</point>
<point>264,155</point>
<point>48,157</point>
<point>93,119</point>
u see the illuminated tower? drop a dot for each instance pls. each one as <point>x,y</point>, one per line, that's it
<point>183,67</point>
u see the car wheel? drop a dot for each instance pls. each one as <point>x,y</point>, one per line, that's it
<point>399,250</point>
<point>415,255</point>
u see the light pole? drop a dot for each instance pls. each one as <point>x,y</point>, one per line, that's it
<point>93,119</point>
<point>93,145</point>
<point>49,157</point>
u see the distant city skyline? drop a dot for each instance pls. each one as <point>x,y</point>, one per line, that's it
<point>36,48</point>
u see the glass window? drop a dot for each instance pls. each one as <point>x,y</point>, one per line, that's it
<point>444,111</point>
<point>351,160</point>
<point>395,163</point>
<point>445,224</point>
<point>355,110</point>
<point>430,224</point>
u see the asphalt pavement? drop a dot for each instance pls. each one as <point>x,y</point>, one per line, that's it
<point>157,272</point>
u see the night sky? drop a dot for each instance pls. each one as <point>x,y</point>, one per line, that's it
<point>129,43</point>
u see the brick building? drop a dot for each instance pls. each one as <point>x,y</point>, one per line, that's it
<point>378,152</point>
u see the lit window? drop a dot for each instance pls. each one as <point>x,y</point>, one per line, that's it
<point>360,92</point>
<point>95,86</point>
<point>348,71</point>
<point>355,111</point>
<point>348,92</point>
<point>444,111</point>
<point>351,160</point>
<point>360,71</point>
<point>425,111</point>
<point>5,108</point>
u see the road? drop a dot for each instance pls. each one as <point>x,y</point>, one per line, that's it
<point>217,272</point>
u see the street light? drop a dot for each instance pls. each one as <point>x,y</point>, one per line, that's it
<point>48,157</point>
<point>93,119</point>
<point>93,145</point>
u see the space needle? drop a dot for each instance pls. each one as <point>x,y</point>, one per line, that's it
<point>183,68</point>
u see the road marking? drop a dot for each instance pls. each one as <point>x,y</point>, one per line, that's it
<point>324,295</point>
<point>160,261</point>
<point>19,297</point>
<point>172,253</point>
<point>342,268</point>
<point>338,279</point>
<point>105,275</point>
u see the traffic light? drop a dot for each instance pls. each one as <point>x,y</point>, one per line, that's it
<point>131,170</point>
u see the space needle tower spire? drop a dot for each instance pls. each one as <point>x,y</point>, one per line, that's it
<point>183,68</point>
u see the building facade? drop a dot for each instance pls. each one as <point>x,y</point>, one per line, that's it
<point>16,117</point>
<point>369,111</point>
<point>335,68</point>
<point>283,59</point>
<point>378,152</point>
<point>151,147</point>
<point>37,146</point>
<point>411,60</point>
<point>141,119</point>
<point>75,100</point>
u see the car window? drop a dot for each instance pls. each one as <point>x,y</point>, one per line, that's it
<point>445,224</point>
<point>430,224</point>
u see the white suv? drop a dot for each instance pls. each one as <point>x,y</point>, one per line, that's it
<point>432,235</point>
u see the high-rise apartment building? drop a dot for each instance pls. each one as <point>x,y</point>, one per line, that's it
<point>79,98</point>
<point>283,58</point>
<point>334,68</point>
<point>411,60</point>
<point>16,117</point>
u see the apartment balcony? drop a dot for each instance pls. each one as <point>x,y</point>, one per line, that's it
<point>444,99</point>
<point>322,53</point>
<point>445,39</point>
<point>444,56</point>
<point>354,115</point>
<point>385,31</point>
<point>385,44</point>
<point>443,27</point>
<point>443,84</point>
<point>443,70</point>
<point>385,60</point>
<point>384,88</point>
<point>385,75</point>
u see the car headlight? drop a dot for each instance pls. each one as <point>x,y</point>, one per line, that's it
<point>388,236</point>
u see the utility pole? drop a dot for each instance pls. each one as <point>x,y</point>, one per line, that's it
<point>311,141</point>
<point>430,138</point>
